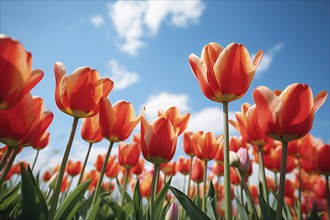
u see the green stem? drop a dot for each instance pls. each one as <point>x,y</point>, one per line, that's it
<point>276,182</point>
<point>263,175</point>
<point>9,164</point>
<point>242,200</point>
<point>282,181</point>
<point>99,182</point>
<point>217,195</point>
<point>5,157</point>
<point>35,160</point>
<point>204,188</point>
<point>56,193</point>
<point>299,190</point>
<point>124,188</point>
<point>189,180</point>
<point>197,194</point>
<point>327,193</point>
<point>85,163</point>
<point>247,192</point>
<point>227,187</point>
<point>154,188</point>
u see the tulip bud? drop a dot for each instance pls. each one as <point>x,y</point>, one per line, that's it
<point>172,212</point>
<point>53,181</point>
<point>244,165</point>
<point>233,159</point>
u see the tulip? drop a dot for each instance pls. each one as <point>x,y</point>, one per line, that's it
<point>173,212</point>
<point>169,168</point>
<point>100,160</point>
<point>234,159</point>
<point>94,176</point>
<point>322,160</point>
<point>179,122</point>
<point>244,165</point>
<point>183,165</point>
<point>41,144</point>
<point>128,154</point>
<point>197,170</point>
<point>188,143</point>
<point>16,72</point>
<point>138,168</point>
<point>113,171</point>
<point>73,168</point>
<point>207,146</point>
<point>47,175</point>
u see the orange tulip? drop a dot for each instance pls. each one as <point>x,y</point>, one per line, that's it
<point>94,176</point>
<point>90,129</point>
<point>188,143</point>
<point>247,125</point>
<point>207,146</point>
<point>43,142</point>
<point>234,178</point>
<point>128,154</point>
<point>272,160</point>
<point>184,165</point>
<point>117,121</point>
<point>322,159</point>
<point>224,74</point>
<point>25,123</point>
<point>78,94</point>
<point>16,72</point>
<point>47,175</point>
<point>113,170</point>
<point>218,169</point>
<point>73,168</point>
<point>138,168</point>
<point>100,160</point>
<point>287,115</point>
<point>145,183</point>
<point>178,122</point>
<point>158,140</point>
<point>197,172</point>
<point>169,168</point>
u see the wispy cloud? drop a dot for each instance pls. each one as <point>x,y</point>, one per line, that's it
<point>269,57</point>
<point>121,76</point>
<point>135,20</point>
<point>97,20</point>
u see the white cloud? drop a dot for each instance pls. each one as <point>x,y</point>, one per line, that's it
<point>163,101</point>
<point>121,76</point>
<point>134,20</point>
<point>268,57</point>
<point>209,119</point>
<point>97,20</point>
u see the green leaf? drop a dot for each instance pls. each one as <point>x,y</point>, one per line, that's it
<point>82,211</point>
<point>211,199</point>
<point>7,198</point>
<point>314,215</point>
<point>164,210</point>
<point>209,208</point>
<point>287,211</point>
<point>117,209</point>
<point>159,201</point>
<point>93,212</point>
<point>241,210</point>
<point>137,198</point>
<point>127,198</point>
<point>191,208</point>
<point>266,211</point>
<point>33,202</point>
<point>72,202</point>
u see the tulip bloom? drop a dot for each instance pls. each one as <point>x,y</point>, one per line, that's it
<point>184,165</point>
<point>117,121</point>
<point>42,142</point>
<point>94,176</point>
<point>90,129</point>
<point>207,146</point>
<point>128,154</point>
<point>114,170</point>
<point>188,143</point>
<point>322,159</point>
<point>244,164</point>
<point>287,115</point>
<point>172,212</point>
<point>78,94</point>
<point>273,160</point>
<point>197,171</point>
<point>224,74</point>
<point>158,140</point>
<point>16,72</point>
<point>100,161</point>
<point>138,168</point>
<point>169,168</point>
<point>178,122</point>
<point>73,168</point>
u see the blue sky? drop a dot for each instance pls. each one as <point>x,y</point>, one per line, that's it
<point>144,47</point>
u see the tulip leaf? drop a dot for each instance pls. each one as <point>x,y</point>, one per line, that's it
<point>7,198</point>
<point>159,201</point>
<point>266,211</point>
<point>127,198</point>
<point>241,210</point>
<point>191,208</point>
<point>286,211</point>
<point>33,202</point>
<point>137,198</point>
<point>72,202</point>
<point>209,209</point>
<point>117,209</point>
<point>94,210</point>
<point>314,215</point>
<point>211,197</point>
<point>164,210</point>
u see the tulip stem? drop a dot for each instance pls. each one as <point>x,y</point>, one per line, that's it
<point>153,192</point>
<point>204,188</point>
<point>35,160</point>
<point>99,182</point>
<point>247,192</point>
<point>263,175</point>
<point>327,193</point>
<point>228,208</point>
<point>197,194</point>
<point>124,188</point>
<point>62,169</point>
<point>9,164</point>
<point>5,157</point>
<point>299,190</point>
<point>189,180</point>
<point>282,181</point>
<point>85,163</point>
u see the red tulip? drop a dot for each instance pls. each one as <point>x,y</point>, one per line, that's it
<point>197,172</point>
<point>100,160</point>
<point>113,170</point>
<point>128,154</point>
<point>73,168</point>
<point>158,140</point>
<point>272,160</point>
<point>287,115</point>
<point>188,143</point>
<point>138,168</point>
<point>78,94</point>
<point>94,176</point>
<point>178,122</point>
<point>169,168</point>
<point>43,142</point>
<point>224,74</point>
<point>322,159</point>
<point>16,72</point>
<point>90,129</point>
<point>183,165</point>
<point>117,121</point>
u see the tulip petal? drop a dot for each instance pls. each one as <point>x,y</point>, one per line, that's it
<point>35,77</point>
<point>107,117</point>
<point>258,58</point>
<point>319,100</point>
